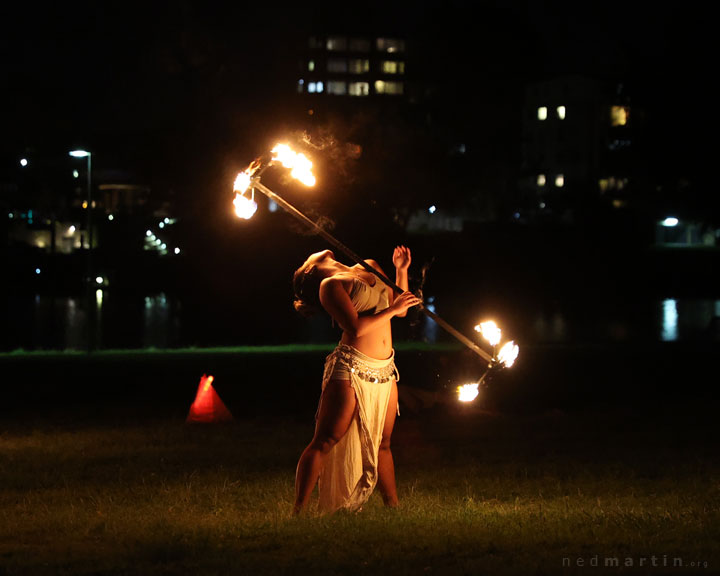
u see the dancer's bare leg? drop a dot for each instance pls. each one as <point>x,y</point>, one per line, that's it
<point>337,407</point>
<point>386,466</point>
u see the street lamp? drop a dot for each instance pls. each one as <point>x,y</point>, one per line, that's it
<point>91,315</point>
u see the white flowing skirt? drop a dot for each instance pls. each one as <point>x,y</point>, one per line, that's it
<point>350,473</point>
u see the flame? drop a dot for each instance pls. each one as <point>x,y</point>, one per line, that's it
<point>242,182</point>
<point>508,353</point>
<point>244,207</point>
<point>490,332</point>
<point>300,166</point>
<point>468,392</point>
<point>244,179</point>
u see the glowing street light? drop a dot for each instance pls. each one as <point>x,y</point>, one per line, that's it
<point>91,318</point>
<point>88,156</point>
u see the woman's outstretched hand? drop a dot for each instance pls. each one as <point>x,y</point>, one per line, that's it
<point>401,257</point>
<point>404,301</point>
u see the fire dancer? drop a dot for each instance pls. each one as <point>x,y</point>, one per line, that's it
<point>350,451</point>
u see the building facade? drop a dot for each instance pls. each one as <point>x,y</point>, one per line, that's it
<point>579,148</point>
<point>353,66</point>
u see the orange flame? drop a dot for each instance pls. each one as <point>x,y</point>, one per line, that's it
<point>508,354</point>
<point>468,392</point>
<point>242,182</point>
<point>245,207</point>
<point>244,179</point>
<point>490,332</point>
<point>300,166</point>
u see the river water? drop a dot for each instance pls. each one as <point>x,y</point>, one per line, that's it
<point>163,321</point>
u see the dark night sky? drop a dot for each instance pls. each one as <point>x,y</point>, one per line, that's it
<point>138,79</point>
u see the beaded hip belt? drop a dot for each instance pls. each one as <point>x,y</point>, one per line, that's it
<point>364,370</point>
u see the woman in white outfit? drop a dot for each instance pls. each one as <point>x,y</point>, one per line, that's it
<point>350,452</point>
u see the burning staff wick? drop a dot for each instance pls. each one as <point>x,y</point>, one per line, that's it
<point>505,358</point>
<point>301,169</point>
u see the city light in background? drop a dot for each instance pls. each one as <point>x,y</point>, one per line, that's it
<point>584,161</point>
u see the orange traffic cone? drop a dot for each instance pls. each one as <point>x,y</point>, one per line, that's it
<point>207,406</point>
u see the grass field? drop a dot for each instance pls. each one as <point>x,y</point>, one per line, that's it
<point>480,493</point>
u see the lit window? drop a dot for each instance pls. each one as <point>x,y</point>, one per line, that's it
<point>359,45</point>
<point>541,180</point>
<point>311,65</point>
<point>382,87</point>
<point>315,87</point>
<point>336,43</point>
<point>619,115</point>
<point>542,113</point>
<point>390,45</point>
<point>359,89</point>
<point>561,112</point>
<point>337,65</point>
<point>335,87</point>
<point>392,67</point>
<point>618,203</point>
<point>559,180</point>
<point>612,183</point>
<point>359,66</point>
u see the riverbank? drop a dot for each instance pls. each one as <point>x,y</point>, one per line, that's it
<point>285,380</point>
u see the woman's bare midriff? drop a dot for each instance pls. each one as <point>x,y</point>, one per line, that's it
<point>376,344</point>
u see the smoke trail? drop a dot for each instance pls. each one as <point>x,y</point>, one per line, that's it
<point>414,320</point>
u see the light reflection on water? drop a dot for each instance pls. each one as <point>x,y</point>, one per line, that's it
<point>669,330</point>
<point>688,319</point>
<point>61,323</point>
<point>156,321</point>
